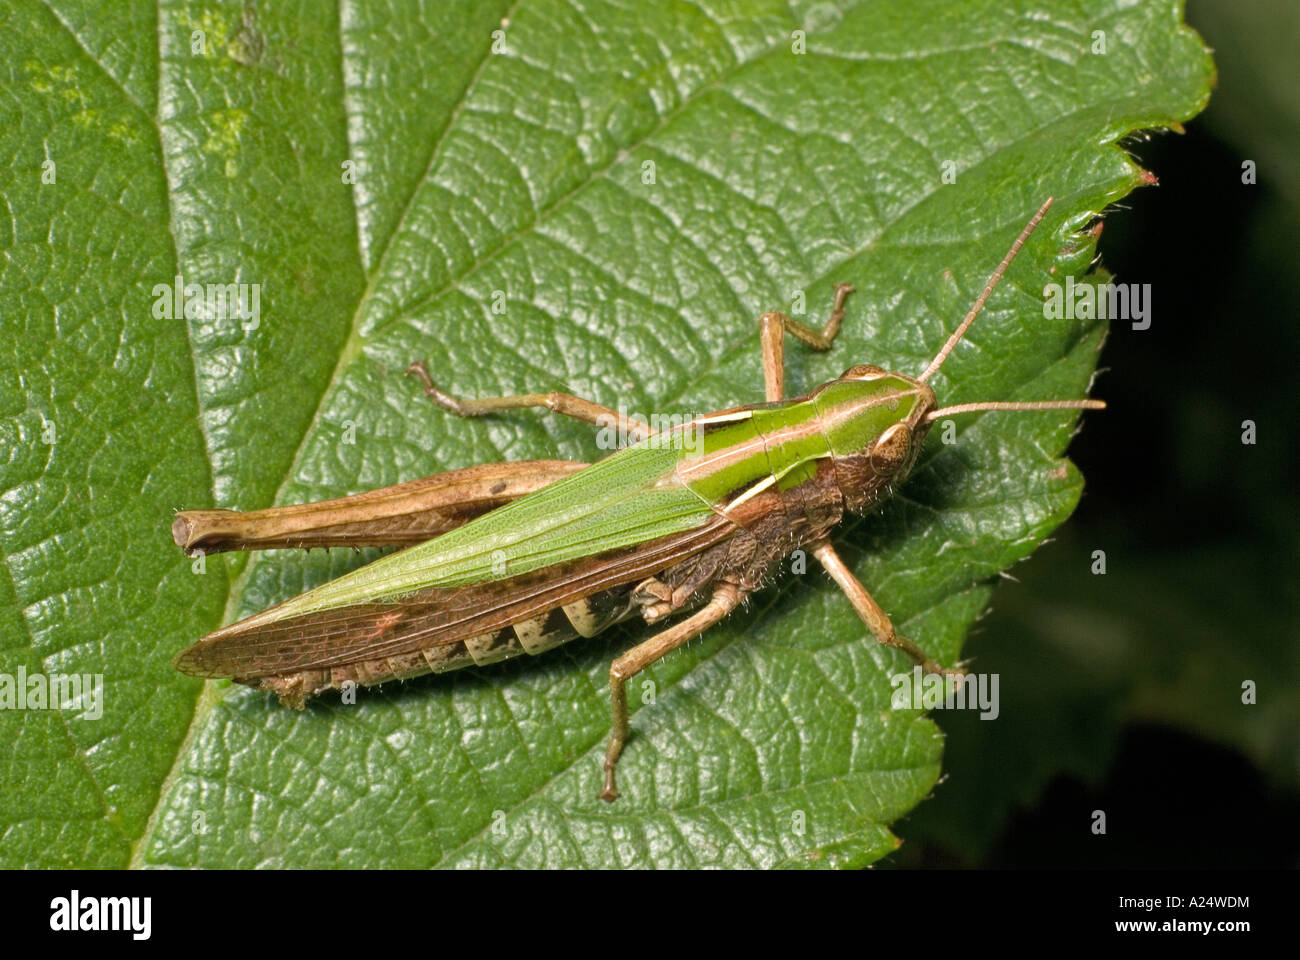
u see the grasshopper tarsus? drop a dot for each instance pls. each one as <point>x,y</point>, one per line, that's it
<point>842,290</point>
<point>450,402</point>
<point>609,793</point>
<point>443,399</point>
<point>418,369</point>
<point>817,339</point>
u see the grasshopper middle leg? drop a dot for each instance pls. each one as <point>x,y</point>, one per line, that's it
<point>725,598</point>
<point>567,404</point>
<point>773,328</point>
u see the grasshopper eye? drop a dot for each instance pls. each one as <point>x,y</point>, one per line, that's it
<point>862,371</point>
<point>890,450</point>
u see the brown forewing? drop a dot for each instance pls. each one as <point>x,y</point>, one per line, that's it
<point>431,617</point>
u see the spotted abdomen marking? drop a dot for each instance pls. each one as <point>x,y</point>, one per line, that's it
<point>582,618</point>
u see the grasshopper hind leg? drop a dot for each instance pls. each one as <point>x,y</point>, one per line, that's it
<point>588,411</point>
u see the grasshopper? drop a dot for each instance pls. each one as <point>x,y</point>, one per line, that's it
<point>517,558</point>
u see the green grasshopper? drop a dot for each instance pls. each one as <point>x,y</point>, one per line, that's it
<point>520,557</point>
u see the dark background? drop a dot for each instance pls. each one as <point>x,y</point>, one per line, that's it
<point>1122,692</point>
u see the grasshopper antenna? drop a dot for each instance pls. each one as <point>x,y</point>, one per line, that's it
<point>942,412</point>
<point>957,334</point>
<point>942,355</point>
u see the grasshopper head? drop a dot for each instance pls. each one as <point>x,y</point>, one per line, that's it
<point>874,422</point>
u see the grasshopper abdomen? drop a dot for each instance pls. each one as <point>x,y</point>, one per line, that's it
<point>530,636</point>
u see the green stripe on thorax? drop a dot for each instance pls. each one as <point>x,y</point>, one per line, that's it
<point>780,443</point>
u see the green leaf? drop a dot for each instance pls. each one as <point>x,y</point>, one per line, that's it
<point>200,141</point>
<point>1188,613</point>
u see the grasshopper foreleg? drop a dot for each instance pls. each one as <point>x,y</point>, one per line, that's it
<point>876,619</point>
